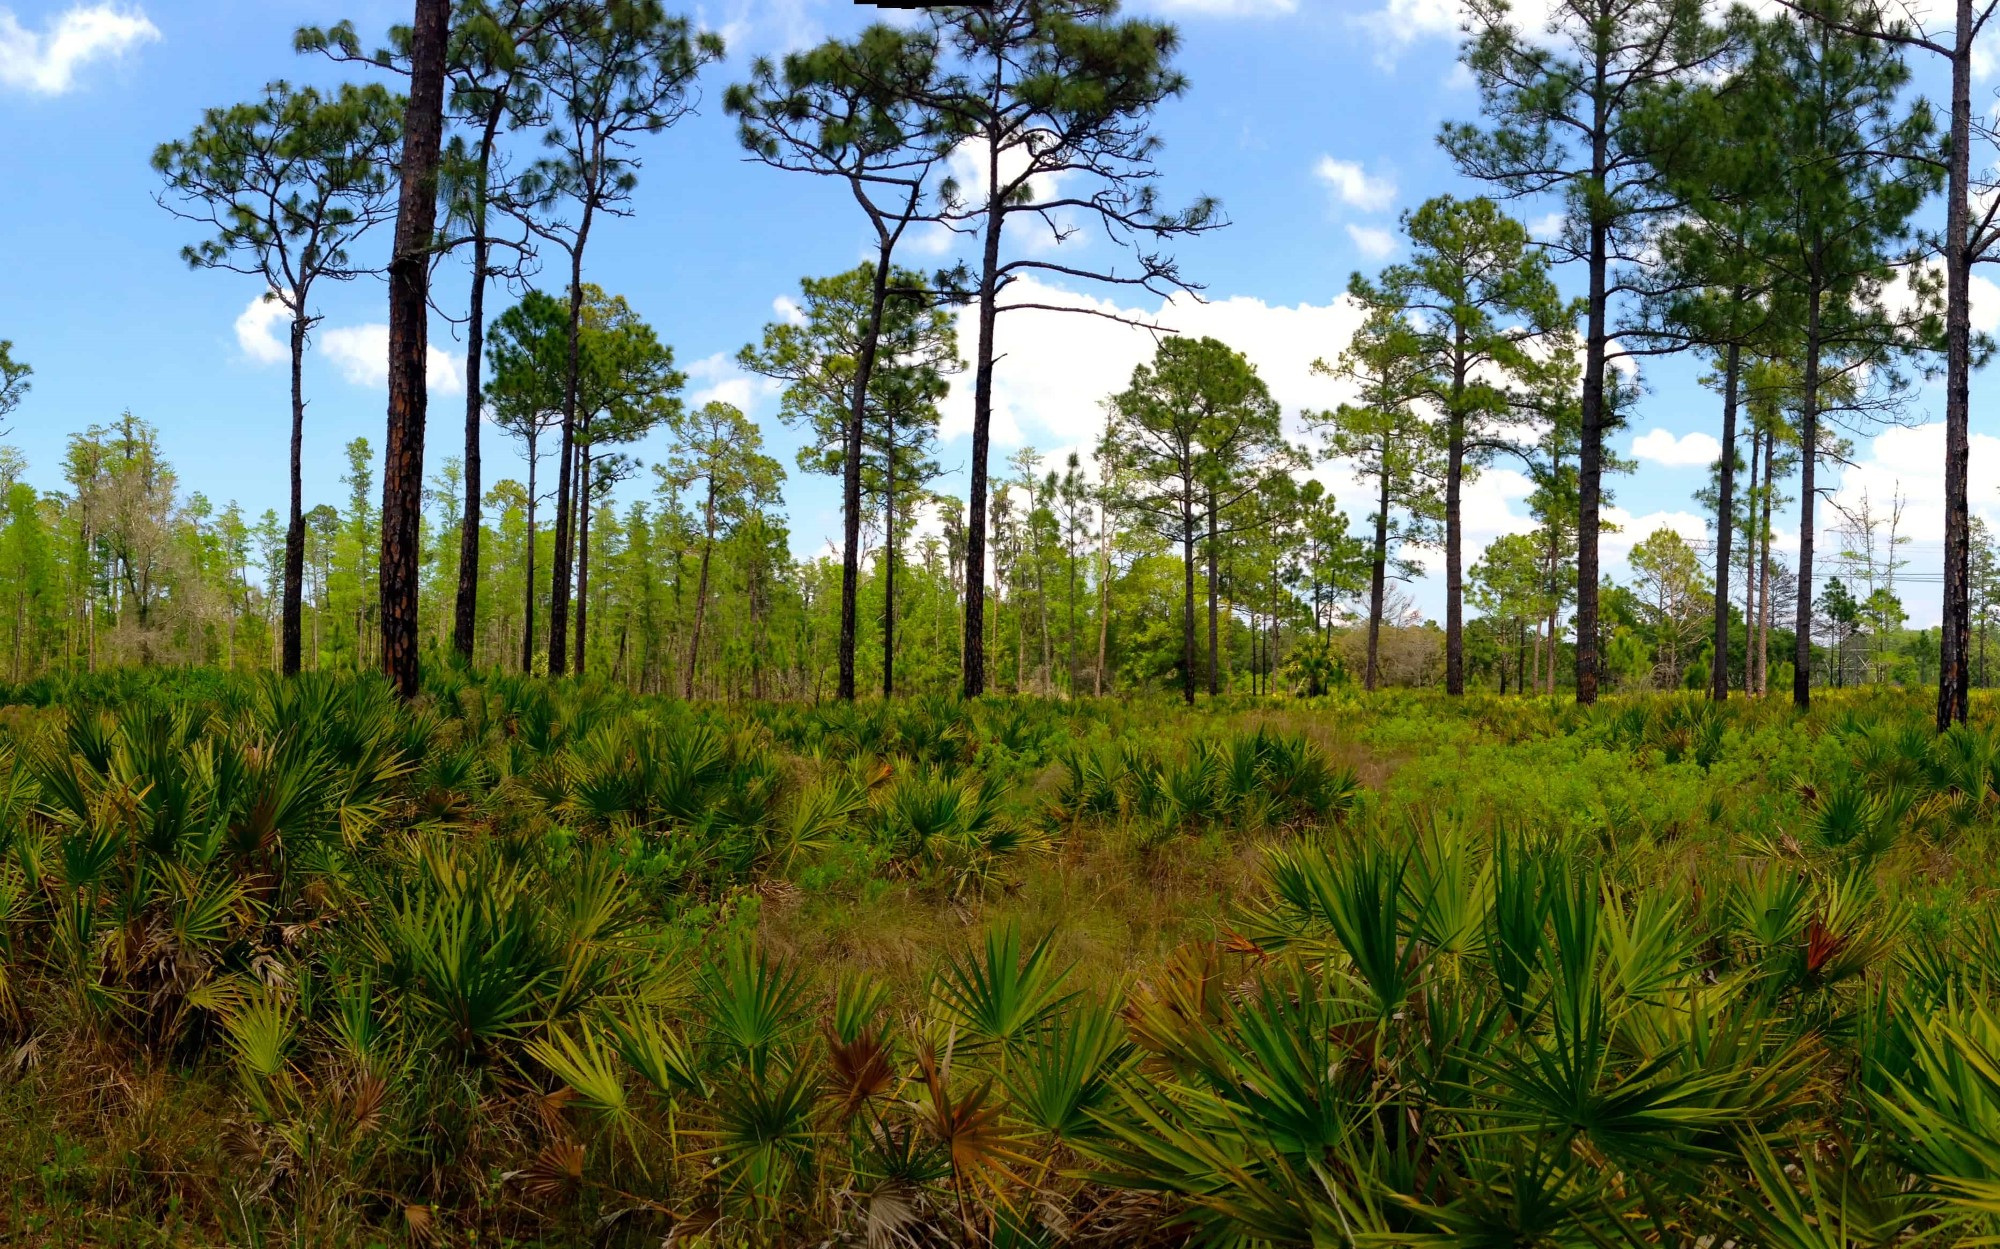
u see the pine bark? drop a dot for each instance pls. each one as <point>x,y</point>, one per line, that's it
<point>559,572</point>
<point>1378,572</point>
<point>1808,453</point>
<point>1454,537</point>
<point>1214,636</point>
<point>295,528</point>
<point>582,551</point>
<point>1187,609</point>
<point>409,316</point>
<point>889,562</point>
<point>701,588</point>
<point>972,662</point>
<point>528,611</point>
<point>1955,637</point>
<point>1750,567</point>
<point>1725,516</point>
<point>465,609</point>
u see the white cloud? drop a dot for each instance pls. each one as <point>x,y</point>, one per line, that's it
<point>1058,367</point>
<point>1490,505</point>
<point>788,310</point>
<point>1227,8</point>
<point>969,167</point>
<point>1659,446</point>
<point>933,238</point>
<point>1373,241</point>
<point>361,353</point>
<point>1901,300</point>
<point>257,331</point>
<point>1631,530</point>
<point>1910,462</point>
<point>46,62</point>
<point>728,383</point>
<point>765,27</point>
<point>1354,186</point>
<point>1397,24</point>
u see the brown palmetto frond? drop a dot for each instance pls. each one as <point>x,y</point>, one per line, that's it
<point>861,1070</point>
<point>970,1127</point>
<point>555,1173</point>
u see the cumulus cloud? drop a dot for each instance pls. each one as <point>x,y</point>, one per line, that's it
<point>724,381</point>
<point>257,331</point>
<point>46,62</point>
<point>361,353</point>
<point>1058,367</point>
<point>1547,227</point>
<point>1226,8</point>
<point>1910,462</point>
<point>1399,23</point>
<point>1354,186</point>
<point>1631,530</point>
<point>970,165</point>
<point>1662,447</point>
<point>788,310</point>
<point>1395,25</point>
<point>933,238</point>
<point>765,27</point>
<point>1373,241</point>
<point>1900,299</point>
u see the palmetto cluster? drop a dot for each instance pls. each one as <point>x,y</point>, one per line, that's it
<point>492,966</point>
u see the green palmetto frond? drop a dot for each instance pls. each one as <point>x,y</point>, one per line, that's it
<point>1064,1077</point>
<point>754,1005</point>
<point>659,1053</point>
<point>1804,1204</point>
<point>586,1062</point>
<point>764,1130</point>
<point>468,947</point>
<point>1000,997</point>
<point>1945,1108</point>
<point>1358,894</point>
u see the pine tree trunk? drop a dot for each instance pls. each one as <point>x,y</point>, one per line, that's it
<point>582,551</point>
<point>1214,645</point>
<point>1808,453</point>
<point>398,570</point>
<point>1590,457</point>
<point>465,610</point>
<point>889,564</point>
<point>1725,516</point>
<point>295,528</point>
<point>1187,611</point>
<point>528,612</point>
<point>850,477</point>
<point>1764,568</point>
<point>701,590</point>
<point>972,660</point>
<point>1953,642</point>
<point>1103,598</point>
<point>1750,567</point>
<point>559,572</point>
<point>1454,535</point>
<point>1378,574</point>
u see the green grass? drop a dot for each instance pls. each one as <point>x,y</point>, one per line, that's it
<point>550,965</point>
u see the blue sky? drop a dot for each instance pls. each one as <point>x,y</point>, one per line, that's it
<point>1313,120</point>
